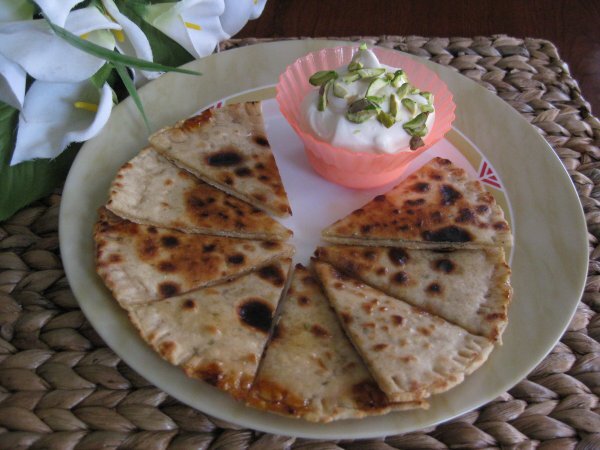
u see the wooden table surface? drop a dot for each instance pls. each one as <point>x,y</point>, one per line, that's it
<point>572,25</point>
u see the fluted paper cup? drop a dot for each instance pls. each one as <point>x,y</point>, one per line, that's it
<point>351,168</point>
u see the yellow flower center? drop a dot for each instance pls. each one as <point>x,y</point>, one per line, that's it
<point>119,35</point>
<point>193,26</point>
<point>85,36</point>
<point>92,107</point>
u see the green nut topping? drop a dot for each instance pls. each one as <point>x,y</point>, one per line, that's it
<point>403,90</point>
<point>363,46</point>
<point>361,110</point>
<point>394,105</point>
<point>339,90</point>
<point>387,120</point>
<point>428,108</point>
<point>416,142</point>
<point>428,96</point>
<point>350,78</point>
<point>375,86</point>
<point>323,92</point>
<point>410,105</point>
<point>399,78</point>
<point>355,65</point>
<point>371,73</point>
<point>322,76</point>
<point>415,126</point>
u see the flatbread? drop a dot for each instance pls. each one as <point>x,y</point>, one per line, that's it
<point>216,334</point>
<point>310,370</point>
<point>150,190</point>
<point>470,288</point>
<point>410,353</point>
<point>228,148</point>
<point>141,263</point>
<point>436,206</point>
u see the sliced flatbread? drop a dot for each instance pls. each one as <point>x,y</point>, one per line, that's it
<point>410,353</point>
<point>150,190</point>
<point>228,148</point>
<point>469,288</point>
<point>141,263</point>
<point>217,333</point>
<point>436,206</point>
<point>310,369</point>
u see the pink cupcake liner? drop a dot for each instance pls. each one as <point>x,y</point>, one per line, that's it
<point>346,167</point>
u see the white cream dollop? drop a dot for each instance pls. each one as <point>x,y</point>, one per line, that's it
<point>331,125</point>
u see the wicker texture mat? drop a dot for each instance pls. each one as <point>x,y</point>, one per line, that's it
<point>61,387</point>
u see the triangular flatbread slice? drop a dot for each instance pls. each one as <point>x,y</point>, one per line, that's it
<point>141,263</point>
<point>410,353</point>
<point>218,333</point>
<point>310,369</point>
<point>228,148</point>
<point>469,288</point>
<point>150,190</point>
<point>436,206</point>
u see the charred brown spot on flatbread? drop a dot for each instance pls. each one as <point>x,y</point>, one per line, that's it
<point>256,313</point>
<point>449,195</point>
<point>115,258</point>
<point>434,288</point>
<point>482,209</point>
<point>500,226</point>
<point>167,348</point>
<point>278,331</point>
<point>236,259</point>
<point>169,241</point>
<point>261,140</point>
<point>444,265</point>
<point>397,320</point>
<point>448,234</point>
<point>400,277</point>
<point>370,305</point>
<point>210,373</point>
<point>149,249</point>
<point>270,245</point>
<point>380,347</point>
<point>303,300</point>
<point>226,157</point>
<point>320,332</point>
<point>398,256</point>
<point>188,304</point>
<point>208,248</point>
<point>168,289</point>
<point>196,121</point>
<point>167,266</point>
<point>272,274</point>
<point>379,198</point>
<point>367,395</point>
<point>420,187</point>
<point>152,230</point>
<point>347,318</point>
<point>369,255</point>
<point>414,202</point>
<point>465,215</point>
<point>243,172</point>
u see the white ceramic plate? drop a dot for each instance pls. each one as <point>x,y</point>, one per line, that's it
<point>490,139</point>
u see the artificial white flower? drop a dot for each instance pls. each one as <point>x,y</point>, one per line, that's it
<point>32,45</point>
<point>193,24</point>
<point>56,114</point>
<point>57,11</point>
<point>131,41</point>
<point>238,12</point>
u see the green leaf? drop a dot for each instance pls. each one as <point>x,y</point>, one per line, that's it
<point>24,183</point>
<point>164,49</point>
<point>100,77</point>
<point>128,82</point>
<point>112,56</point>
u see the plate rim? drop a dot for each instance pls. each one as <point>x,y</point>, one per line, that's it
<point>127,105</point>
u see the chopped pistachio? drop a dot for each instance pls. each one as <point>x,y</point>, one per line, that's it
<point>428,96</point>
<point>387,120</point>
<point>339,90</point>
<point>410,105</point>
<point>323,92</point>
<point>355,65</point>
<point>351,77</point>
<point>403,90</point>
<point>361,110</point>
<point>389,76</point>
<point>375,99</point>
<point>414,126</point>
<point>416,142</point>
<point>428,108</point>
<point>399,78</point>
<point>394,105</point>
<point>371,72</point>
<point>322,76</point>
<point>375,86</point>
<point>363,46</point>
<point>415,90</point>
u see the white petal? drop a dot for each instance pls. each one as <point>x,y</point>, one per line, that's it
<point>12,83</point>
<point>47,57</point>
<point>135,43</point>
<point>238,12</point>
<point>86,20</point>
<point>13,10</point>
<point>171,19</point>
<point>105,105</point>
<point>50,121</point>
<point>57,10</point>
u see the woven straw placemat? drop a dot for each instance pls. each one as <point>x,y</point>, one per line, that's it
<point>61,387</point>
